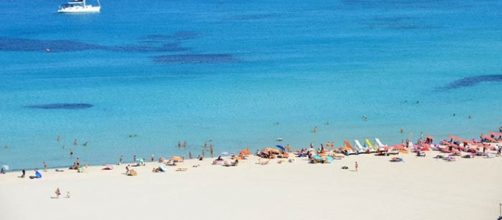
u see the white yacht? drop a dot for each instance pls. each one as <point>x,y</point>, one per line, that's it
<point>79,6</point>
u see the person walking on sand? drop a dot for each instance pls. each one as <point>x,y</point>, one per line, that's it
<point>45,166</point>
<point>58,193</point>
<point>356,166</point>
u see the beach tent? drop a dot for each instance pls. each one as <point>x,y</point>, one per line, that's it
<point>5,167</point>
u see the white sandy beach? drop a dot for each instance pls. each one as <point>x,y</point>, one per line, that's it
<point>419,188</point>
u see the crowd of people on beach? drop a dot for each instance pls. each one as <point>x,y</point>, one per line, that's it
<point>488,145</point>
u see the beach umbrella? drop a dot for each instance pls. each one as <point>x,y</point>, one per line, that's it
<point>176,158</point>
<point>280,147</point>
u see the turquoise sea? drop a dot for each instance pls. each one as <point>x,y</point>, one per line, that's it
<point>145,75</point>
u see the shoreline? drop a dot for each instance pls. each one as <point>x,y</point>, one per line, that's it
<point>418,188</point>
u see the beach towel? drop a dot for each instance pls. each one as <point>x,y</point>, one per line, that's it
<point>329,159</point>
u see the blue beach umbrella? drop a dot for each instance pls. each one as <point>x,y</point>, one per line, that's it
<point>281,147</point>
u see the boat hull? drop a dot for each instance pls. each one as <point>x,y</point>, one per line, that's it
<point>80,9</point>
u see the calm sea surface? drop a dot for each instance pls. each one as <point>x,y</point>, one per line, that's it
<point>148,74</point>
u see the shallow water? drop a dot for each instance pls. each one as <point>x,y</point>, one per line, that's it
<point>242,74</point>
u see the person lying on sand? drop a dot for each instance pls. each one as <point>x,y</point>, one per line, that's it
<point>231,164</point>
<point>263,162</point>
<point>218,161</point>
<point>132,172</point>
